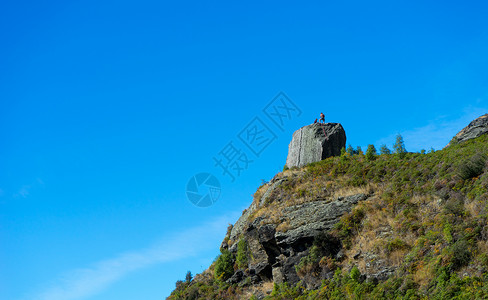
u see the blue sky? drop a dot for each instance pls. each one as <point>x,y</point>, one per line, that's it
<point>108,108</point>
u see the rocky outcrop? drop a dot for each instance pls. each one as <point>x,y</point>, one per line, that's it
<point>314,143</point>
<point>275,253</point>
<point>308,220</point>
<point>241,223</point>
<point>475,129</point>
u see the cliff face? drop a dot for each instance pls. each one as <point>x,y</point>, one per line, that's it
<point>278,235</point>
<point>386,227</point>
<point>314,143</point>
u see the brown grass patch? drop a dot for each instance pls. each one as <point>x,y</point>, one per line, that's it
<point>350,191</point>
<point>474,207</point>
<point>423,275</point>
<point>396,257</point>
<point>263,287</point>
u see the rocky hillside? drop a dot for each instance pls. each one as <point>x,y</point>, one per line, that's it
<point>406,226</point>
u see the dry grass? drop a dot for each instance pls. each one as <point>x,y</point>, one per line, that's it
<point>378,216</point>
<point>483,246</point>
<point>474,207</point>
<point>263,287</point>
<point>397,257</point>
<point>260,192</point>
<point>350,191</point>
<point>271,213</point>
<point>424,274</point>
<point>291,172</point>
<point>374,236</point>
<point>429,209</point>
<point>283,226</point>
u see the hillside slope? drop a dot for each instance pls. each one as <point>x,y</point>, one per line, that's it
<point>410,226</point>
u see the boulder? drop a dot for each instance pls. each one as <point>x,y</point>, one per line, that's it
<point>314,143</point>
<point>475,129</point>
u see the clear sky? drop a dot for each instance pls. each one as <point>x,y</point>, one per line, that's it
<point>108,108</point>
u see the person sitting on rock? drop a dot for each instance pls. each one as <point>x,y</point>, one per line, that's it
<point>322,118</point>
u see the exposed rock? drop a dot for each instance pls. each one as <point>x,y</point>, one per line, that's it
<point>275,253</point>
<point>236,277</point>
<point>284,270</point>
<point>259,295</point>
<point>268,192</point>
<point>475,129</point>
<point>382,275</point>
<point>340,255</point>
<point>313,279</point>
<point>262,269</point>
<point>309,144</point>
<point>309,219</point>
<point>241,223</point>
<point>224,245</point>
<point>266,233</point>
<point>278,276</point>
<point>259,254</point>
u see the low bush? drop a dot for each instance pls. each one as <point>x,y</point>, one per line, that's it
<point>224,266</point>
<point>472,167</point>
<point>241,257</point>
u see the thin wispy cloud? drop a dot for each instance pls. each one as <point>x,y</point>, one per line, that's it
<point>437,133</point>
<point>82,283</point>
<point>25,189</point>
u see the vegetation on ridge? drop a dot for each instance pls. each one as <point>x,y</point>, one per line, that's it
<point>427,218</point>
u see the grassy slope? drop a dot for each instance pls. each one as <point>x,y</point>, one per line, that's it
<point>428,218</point>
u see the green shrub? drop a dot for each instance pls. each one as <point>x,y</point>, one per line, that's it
<point>308,261</point>
<point>359,151</point>
<point>355,274</point>
<point>350,150</point>
<point>399,146</point>
<point>461,255</point>
<point>484,259</point>
<point>301,192</point>
<point>384,149</point>
<point>454,206</point>
<point>472,167</point>
<point>348,225</point>
<point>286,291</point>
<point>224,266</point>
<point>241,258</point>
<point>371,152</point>
<point>179,284</point>
<point>396,244</point>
